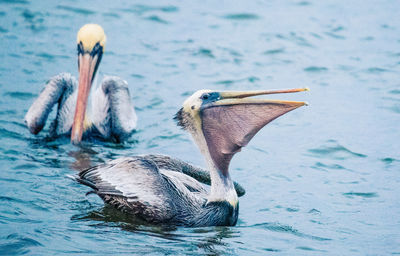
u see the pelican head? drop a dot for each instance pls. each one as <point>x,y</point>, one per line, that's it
<point>221,123</point>
<point>91,42</point>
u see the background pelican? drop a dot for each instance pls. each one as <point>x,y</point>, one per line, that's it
<point>111,116</point>
<point>156,190</point>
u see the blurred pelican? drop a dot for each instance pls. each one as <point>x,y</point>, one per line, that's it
<point>111,115</point>
<point>160,189</point>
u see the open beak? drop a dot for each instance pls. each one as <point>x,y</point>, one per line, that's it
<point>229,123</point>
<point>238,97</point>
<point>87,66</point>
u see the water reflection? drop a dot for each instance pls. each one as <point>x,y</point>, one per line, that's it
<point>215,239</point>
<point>210,240</point>
<point>83,158</point>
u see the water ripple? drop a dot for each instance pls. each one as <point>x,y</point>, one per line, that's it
<point>76,10</point>
<point>306,248</point>
<point>7,113</point>
<point>15,244</point>
<point>332,166</point>
<point>303,3</point>
<point>14,2</point>
<point>34,19</point>
<point>335,151</point>
<point>20,95</point>
<point>274,51</point>
<point>3,30</point>
<point>277,227</point>
<point>250,79</point>
<point>204,52</point>
<point>112,14</point>
<point>156,19</point>
<point>295,38</point>
<point>334,35</point>
<point>315,69</point>
<point>10,134</point>
<point>241,16</point>
<point>28,204</point>
<point>390,160</point>
<point>141,9</point>
<point>361,194</point>
<point>376,70</point>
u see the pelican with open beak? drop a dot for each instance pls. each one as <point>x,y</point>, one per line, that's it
<point>160,189</point>
<point>111,116</point>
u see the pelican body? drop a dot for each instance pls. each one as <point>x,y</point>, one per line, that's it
<point>160,189</point>
<point>111,115</point>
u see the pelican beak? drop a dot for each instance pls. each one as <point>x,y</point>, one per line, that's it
<point>246,94</point>
<point>88,64</point>
<point>229,98</point>
<point>231,120</point>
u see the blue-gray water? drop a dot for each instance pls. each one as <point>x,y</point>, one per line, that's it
<point>322,180</point>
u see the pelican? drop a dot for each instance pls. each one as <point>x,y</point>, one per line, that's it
<point>111,116</point>
<point>160,189</point>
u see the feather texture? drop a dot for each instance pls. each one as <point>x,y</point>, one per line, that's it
<point>112,115</point>
<point>137,185</point>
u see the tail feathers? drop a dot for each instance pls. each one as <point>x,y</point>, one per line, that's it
<point>84,182</point>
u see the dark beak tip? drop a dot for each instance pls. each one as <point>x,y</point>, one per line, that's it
<point>75,139</point>
<point>75,142</point>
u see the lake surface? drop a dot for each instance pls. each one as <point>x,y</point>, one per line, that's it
<point>321,180</point>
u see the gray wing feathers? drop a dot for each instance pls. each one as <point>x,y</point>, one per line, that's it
<point>199,174</point>
<point>53,93</point>
<point>114,113</point>
<point>101,115</point>
<point>133,184</point>
<point>185,183</point>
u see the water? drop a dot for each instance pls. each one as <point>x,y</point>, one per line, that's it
<point>323,179</point>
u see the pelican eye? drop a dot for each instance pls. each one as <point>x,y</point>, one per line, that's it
<point>210,97</point>
<point>205,96</point>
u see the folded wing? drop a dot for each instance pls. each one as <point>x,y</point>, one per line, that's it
<point>134,185</point>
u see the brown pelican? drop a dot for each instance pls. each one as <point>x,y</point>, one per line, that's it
<point>159,189</point>
<point>111,114</point>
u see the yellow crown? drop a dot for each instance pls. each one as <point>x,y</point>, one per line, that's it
<point>90,35</point>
